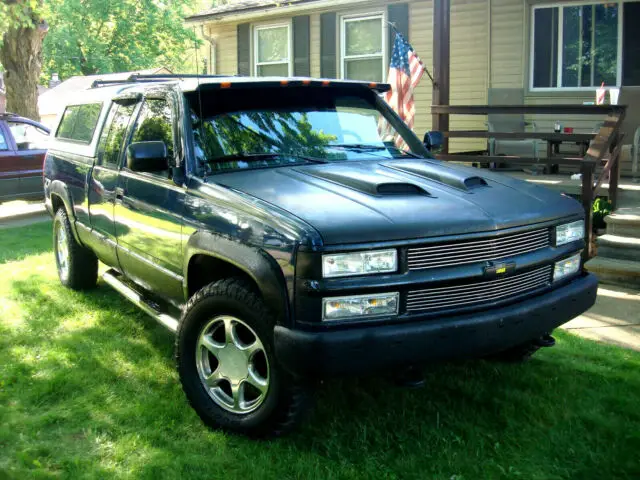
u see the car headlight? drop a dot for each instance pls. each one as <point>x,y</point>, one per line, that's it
<point>360,306</point>
<point>359,263</point>
<point>569,232</point>
<point>567,267</point>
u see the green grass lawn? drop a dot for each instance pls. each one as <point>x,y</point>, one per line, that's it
<point>88,390</point>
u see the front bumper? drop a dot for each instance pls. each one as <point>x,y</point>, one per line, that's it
<point>370,348</point>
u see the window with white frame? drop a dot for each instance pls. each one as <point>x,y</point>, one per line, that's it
<point>363,48</point>
<point>576,45</point>
<point>272,51</point>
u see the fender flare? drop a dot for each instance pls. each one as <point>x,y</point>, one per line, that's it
<point>60,189</point>
<point>255,263</point>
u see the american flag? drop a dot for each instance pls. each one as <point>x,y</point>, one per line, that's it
<point>405,72</point>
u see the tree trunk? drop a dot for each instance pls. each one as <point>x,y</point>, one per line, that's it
<point>21,57</point>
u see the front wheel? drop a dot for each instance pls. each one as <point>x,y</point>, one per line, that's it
<point>227,366</point>
<point>77,266</point>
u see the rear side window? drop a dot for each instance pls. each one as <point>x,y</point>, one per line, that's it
<point>79,122</point>
<point>116,133</point>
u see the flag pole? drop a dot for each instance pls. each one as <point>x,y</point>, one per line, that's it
<point>397,32</point>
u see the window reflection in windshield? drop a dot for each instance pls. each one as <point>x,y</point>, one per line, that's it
<point>338,128</point>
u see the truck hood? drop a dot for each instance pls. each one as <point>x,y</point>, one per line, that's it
<point>369,201</point>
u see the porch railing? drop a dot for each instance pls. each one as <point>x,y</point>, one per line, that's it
<point>605,144</point>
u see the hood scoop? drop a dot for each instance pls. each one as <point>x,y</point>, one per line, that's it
<point>441,174</point>
<point>373,183</point>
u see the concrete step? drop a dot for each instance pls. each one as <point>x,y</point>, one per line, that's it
<point>625,273</point>
<point>618,246</point>
<point>624,222</point>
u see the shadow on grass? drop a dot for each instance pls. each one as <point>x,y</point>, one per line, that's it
<point>18,243</point>
<point>88,369</point>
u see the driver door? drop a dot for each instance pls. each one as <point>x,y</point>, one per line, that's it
<point>148,210</point>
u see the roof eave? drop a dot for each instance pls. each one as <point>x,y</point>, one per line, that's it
<point>260,12</point>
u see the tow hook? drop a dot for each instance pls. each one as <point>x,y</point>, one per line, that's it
<point>545,340</point>
<point>410,377</point>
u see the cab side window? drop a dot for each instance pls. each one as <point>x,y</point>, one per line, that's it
<point>3,142</point>
<point>154,124</point>
<point>114,138</point>
<point>27,136</point>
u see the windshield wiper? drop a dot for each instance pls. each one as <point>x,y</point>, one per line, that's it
<point>375,148</point>
<point>254,157</point>
<point>357,146</point>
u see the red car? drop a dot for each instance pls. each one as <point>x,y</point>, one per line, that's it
<point>22,150</point>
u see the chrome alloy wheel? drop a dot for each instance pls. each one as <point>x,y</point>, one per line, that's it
<point>62,251</point>
<point>232,364</point>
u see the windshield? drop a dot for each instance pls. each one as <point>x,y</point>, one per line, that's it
<point>260,128</point>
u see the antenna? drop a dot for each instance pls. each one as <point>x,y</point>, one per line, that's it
<point>195,46</point>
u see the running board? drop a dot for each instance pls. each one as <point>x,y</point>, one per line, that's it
<point>111,277</point>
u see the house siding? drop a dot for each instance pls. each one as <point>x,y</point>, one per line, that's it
<point>507,43</point>
<point>489,49</point>
<point>469,67</point>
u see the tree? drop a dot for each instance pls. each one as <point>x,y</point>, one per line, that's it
<point>22,30</point>
<point>90,37</point>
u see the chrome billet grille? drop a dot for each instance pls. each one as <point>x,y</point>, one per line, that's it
<point>473,251</point>
<point>478,293</point>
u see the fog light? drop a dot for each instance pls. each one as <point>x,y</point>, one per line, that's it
<point>360,306</point>
<point>566,267</point>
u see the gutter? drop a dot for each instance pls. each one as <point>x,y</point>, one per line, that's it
<point>212,51</point>
<point>269,11</point>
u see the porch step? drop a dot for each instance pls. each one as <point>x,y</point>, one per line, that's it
<point>625,273</point>
<point>619,247</point>
<point>624,222</point>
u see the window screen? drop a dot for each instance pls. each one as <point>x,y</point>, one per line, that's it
<point>631,45</point>
<point>362,51</point>
<point>272,51</point>
<point>575,46</point>
<point>79,122</point>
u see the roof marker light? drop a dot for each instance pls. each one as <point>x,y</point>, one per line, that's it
<point>326,83</point>
<point>225,85</point>
<point>284,83</point>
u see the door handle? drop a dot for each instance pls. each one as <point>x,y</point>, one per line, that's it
<point>119,193</point>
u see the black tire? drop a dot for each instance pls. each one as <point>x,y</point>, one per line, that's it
<point>81,272</point>
<point>286,398</point>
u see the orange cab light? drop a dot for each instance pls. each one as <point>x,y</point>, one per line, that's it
<point>225,85</point>
<point>306,82</point>
<point>284,83</point>
<point>326,83</point>
<point>373,85</point>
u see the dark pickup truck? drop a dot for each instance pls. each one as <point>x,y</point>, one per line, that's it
<point>290,229</point>
<point>22,149</point>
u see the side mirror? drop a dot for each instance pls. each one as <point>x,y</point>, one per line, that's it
<point>147,157</point>
<point>433,141</point>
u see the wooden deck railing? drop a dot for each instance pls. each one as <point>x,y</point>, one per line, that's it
<point>605,144</point>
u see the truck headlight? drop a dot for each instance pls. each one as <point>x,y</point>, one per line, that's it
<point>567,267</point>
<point>569,232</point>
<point>360,306</point>
<point>359,263</point>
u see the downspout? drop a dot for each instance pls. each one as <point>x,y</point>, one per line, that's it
<point>489,37</point>
<point>212,50</point>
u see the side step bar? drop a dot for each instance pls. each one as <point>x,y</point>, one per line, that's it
<point>112,278</point>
